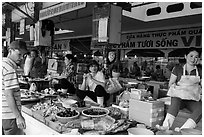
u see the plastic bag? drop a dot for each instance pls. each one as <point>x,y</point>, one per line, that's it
<point>33,87</point>
<point>28,65</point>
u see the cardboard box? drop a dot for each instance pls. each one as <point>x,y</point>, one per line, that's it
<point>150,113</point>
<point>55,66</point>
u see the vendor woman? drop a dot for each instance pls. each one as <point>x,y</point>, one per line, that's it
<point>185,91</point>
<point>70,68</point>
<point>93,85</point>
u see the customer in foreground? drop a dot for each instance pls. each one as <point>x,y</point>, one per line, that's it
<point>12,120</point>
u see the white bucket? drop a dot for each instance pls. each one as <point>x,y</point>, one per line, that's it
<point>139,131</point>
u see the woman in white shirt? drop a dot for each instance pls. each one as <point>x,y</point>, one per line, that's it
<point>93,85</point>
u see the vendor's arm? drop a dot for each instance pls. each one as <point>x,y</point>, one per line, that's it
<point>83,85</point>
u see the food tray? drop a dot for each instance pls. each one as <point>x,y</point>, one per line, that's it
<point>95,112</point>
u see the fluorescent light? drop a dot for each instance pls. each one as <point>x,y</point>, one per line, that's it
<point>18,38</point>
<point>63,31</point>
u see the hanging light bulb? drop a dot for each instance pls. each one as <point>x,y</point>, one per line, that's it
<point>84,55</point>
<point>125,56</point>
<point>135,56</point>
<point>75,55</point>
<point>92,56</point>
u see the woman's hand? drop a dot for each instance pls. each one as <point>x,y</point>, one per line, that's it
<point>89,76</point>
<point>85,76</point>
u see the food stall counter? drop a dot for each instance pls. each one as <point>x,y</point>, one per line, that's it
<point>35,127</point>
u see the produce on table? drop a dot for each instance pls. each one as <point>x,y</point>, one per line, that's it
<point>115,112</point>
<point>67,113</point>
<point>95,112</point>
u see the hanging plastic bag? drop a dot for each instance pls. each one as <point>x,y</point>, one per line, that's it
<point>33,87</point>
<point>28,65</point>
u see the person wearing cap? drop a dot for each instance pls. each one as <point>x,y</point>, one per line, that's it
<point>12,120</point>
<point>93,85</point>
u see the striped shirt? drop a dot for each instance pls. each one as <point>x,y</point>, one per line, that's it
<point>9,82</point>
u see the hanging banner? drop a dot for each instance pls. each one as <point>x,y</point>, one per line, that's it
<point>60,9</point>
<point>62,45</point>
<point>161,39</point>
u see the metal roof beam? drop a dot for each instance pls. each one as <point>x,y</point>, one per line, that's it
<point>14,6</point>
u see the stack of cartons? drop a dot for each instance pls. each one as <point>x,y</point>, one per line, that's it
<point>150,113</point>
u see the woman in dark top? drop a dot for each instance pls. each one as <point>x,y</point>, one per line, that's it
<point>37,63</point>
<point>70,68</point>
<point>185,91</point>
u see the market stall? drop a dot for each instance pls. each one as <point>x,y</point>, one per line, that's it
<point>54,118</point>
<point>57,113</point>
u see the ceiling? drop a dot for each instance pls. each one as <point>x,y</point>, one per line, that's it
<point>81,23</point>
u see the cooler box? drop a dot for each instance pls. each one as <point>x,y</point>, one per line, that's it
<point>150,113</point>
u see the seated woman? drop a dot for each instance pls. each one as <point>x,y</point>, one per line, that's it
<point>70,69</point>
<point>93,85</point>
<point>185,90</point>
<point>67,81</point>
<point>115,85</point>
<point>135,70</point>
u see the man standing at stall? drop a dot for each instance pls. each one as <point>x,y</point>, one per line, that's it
<point>12,120</point>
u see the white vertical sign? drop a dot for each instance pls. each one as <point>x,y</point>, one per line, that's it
<point>22,26</point>
<point>103,30</point>
<point>32,33</point>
